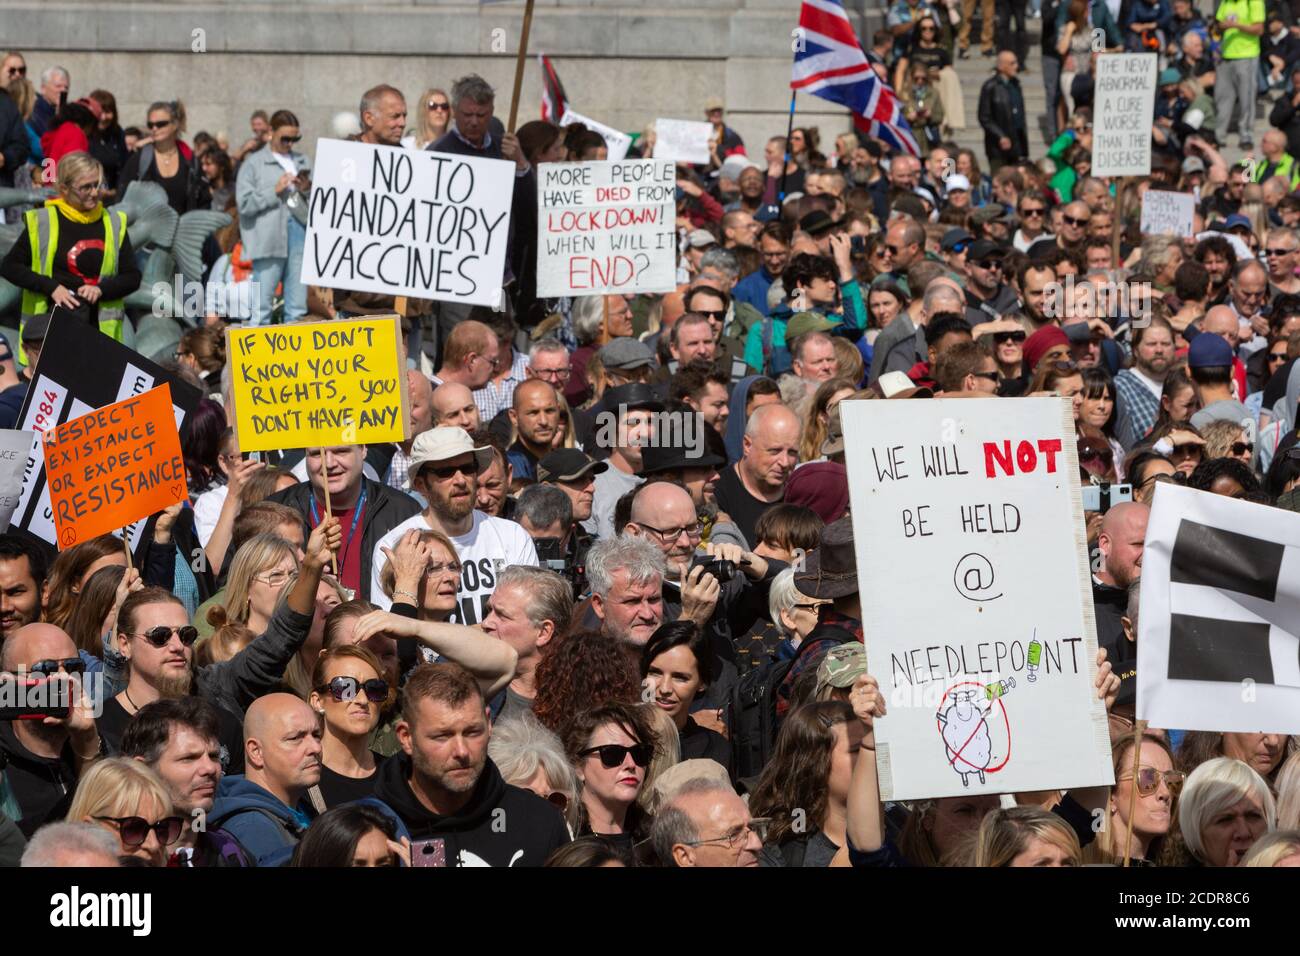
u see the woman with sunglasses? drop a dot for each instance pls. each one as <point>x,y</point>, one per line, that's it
<point>350,693</point>
<point>130,800</point>
<point>90,268</point>
<point>1228,439</point>
<point>1004,340</point>
<point>1157,784</point>
<point>431,121</point>
<point>271,190</point>
<point>925,50</point>
<point>1145,469</point>
<point>610,747</point>
<point>677,666</point>
<point>530,756</point>
<point>165,160</point>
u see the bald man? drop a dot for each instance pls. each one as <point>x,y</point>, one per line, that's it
<point>1119,564</point>
<point>266,807</point>
<point>470,356</point>
<point>453,404</point>
<point>706,825</point>
<point>43,758</point>
<point>1074,224</point>
<point>419,391</point>
<point>535,413</point>
<point>756,482</point>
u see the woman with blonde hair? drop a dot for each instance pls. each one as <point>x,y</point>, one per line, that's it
<point>225,643</point>
<point>77,246</point>
<point>1280,848</point>
<point>349,691</point>
<point>1157,784</point>
<point>298,674</point>
<point>531,756</point>
<point>1224,808</point>
<point>1022,837</point>
<point>829,394</point>
<point>668,754</point>
<point>433,119</point>
<point>422,575</point>
<point>259,572</point>
<point>130,800</point>
<point>1287,788</point>
<point>70,573</point>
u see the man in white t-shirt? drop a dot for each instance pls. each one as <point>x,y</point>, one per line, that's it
<point>444,469</point>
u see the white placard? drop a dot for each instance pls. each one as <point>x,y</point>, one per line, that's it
<point>1219,615</point>
<point>682,141</point>
<point>1123,113</point>
<point>606,227</point>
<point>14,448</point>
<point>1167,214</point>
<point>976,596</point>
<point>617,143</point>
<point>406,222</point>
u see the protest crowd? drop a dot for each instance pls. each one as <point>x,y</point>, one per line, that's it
<point>598,603</point>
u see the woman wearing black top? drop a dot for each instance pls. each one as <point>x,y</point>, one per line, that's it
<point>610,747</point>
<point>350,693</point>
<point>925,49</point>
<point>164,161</point>
<point>108,142</point>
<point>677,666</point>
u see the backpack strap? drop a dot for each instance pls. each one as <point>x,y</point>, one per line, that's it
<point>290,836</point>
<point>146,160</point>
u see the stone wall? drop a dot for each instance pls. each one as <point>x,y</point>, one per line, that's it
<point>621,63</point>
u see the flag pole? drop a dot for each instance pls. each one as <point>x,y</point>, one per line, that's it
<point>519,64</point>
<point>785,162</point>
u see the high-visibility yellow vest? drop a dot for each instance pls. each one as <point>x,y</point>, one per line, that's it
<point>1286,167</point>
<point>43,232</point>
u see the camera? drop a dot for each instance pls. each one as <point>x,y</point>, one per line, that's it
<point>720,568</point>
<point>553,555</point>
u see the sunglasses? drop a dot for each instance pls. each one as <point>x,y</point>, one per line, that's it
<point>1240,448</point>
<point>17,71</point>
<point>1074,222</point>
<point>1177,478</point>
<point>345,689</point>
<point>439,106</point>
<point>1148,779</point>
<point>1064,365</point>
<point>159,636</point>
<point>1026,213</point>
<point>443,472</point>
<point>1278,252</point>
<point>1277,356</point>
<point>135,830</point>
<point>718,314</point>
<point>1002,338</point>
<point>158,124</point>
<point>70,665</point>
<point>989,264</point>
<point>613,755</point>
<point>290,139</point>
<point>991,376</point>
<point>892,250</point>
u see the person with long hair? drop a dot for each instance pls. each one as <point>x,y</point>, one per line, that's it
<point>259,572</point>
<point>131,801</point>
<point>201,435</point>
<point>1145,469</point>
<point>203,351</point>
<point>586,669</point>
<point>1263,753</point>
<point>804,789</point>
<point>1180,442</point>
<point>350,693</point>
<point>218,171</point>
<point>107,141</point>
<point>677,666</point>
<point>1022,837</point>
<point>165,160</point>
<point>1061,376</point>
<point>610,747</point>
<point>1280,848</point>
<point>591,851</point>
<point>353,835</point>
<point>1157,784</point>
<point>70,130</point>
<point>829,394</point>
<point>72,570</point>
<point>432,120</point>
<point>87,242</point>
<point>94,609</point>
<point>1098,411</point>
<point>541,141</point>
<point>271,190</point>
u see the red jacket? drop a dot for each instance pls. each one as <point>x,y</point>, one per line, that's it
<point>68,138</point>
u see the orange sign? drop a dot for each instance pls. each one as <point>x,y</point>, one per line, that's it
<point>113,466</point>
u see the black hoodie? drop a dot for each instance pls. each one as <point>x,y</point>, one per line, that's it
<point>524,833</point>
<point>42,787</point>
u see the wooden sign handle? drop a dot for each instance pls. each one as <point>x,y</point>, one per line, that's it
<point>519,65</point>
<point>1139,730</point>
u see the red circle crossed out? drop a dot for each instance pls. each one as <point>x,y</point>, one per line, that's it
<point>958,755</point>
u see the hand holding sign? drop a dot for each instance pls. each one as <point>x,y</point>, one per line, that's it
<point>325,540</point>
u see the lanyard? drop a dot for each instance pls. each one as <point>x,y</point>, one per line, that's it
<point>356,516</point>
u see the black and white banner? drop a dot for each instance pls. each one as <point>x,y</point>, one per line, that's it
<point>1219,615</point>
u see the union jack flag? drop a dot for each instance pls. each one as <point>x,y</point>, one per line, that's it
<point>830,63</point>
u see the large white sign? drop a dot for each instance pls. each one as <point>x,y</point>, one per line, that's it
<point>1219,615</point>
<point>1123,113</point>
<point>617,143</point>
<point>606,227</point>
<point>973,573</point>
<point>1167,214</point>
<point>682,141</point>
<point>406,222</point>
<point>14,447</point>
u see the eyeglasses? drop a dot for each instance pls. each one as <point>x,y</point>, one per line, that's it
<point>1002,338</point>
<point>1240,448</point>
<point>435,105</point>
<point>612,755</point>
<point>158,124</point>
<point>991,376</point>
<point>694,532</point>
<point>1277,356</point>
<point>1278,252</point>
<point>290,139</point>
<point>1148,779</point>
<point>273,578</point>
<point>159,636</point>
<point>70,665</point>
<point>345,689</point>
<point>758,826</point>
<point>1074,222</point>
<point>435,568</point>
<point>559,373</point>
<point>495,362</point>
<point>135,830</point>
<point>444,472</point>
<point>811,605</point>
<point>1035,211</point>
<point>87,189</point>
<point>1064,366</point>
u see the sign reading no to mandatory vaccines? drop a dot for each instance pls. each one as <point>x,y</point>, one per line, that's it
<point>406,222</point>
<point>318,383</point>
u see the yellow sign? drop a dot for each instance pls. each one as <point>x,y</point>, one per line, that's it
<point>316,384</point>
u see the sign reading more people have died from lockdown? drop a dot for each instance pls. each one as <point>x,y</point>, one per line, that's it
<point>1123,114</point>
<point>976,596</point>
<point>113,466</point>
<point>408,222</point>
<point>606,227</point>
<point>312,384</point>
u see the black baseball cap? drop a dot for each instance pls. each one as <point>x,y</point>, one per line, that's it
<point>568,464</point>
<point>986,249</point>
